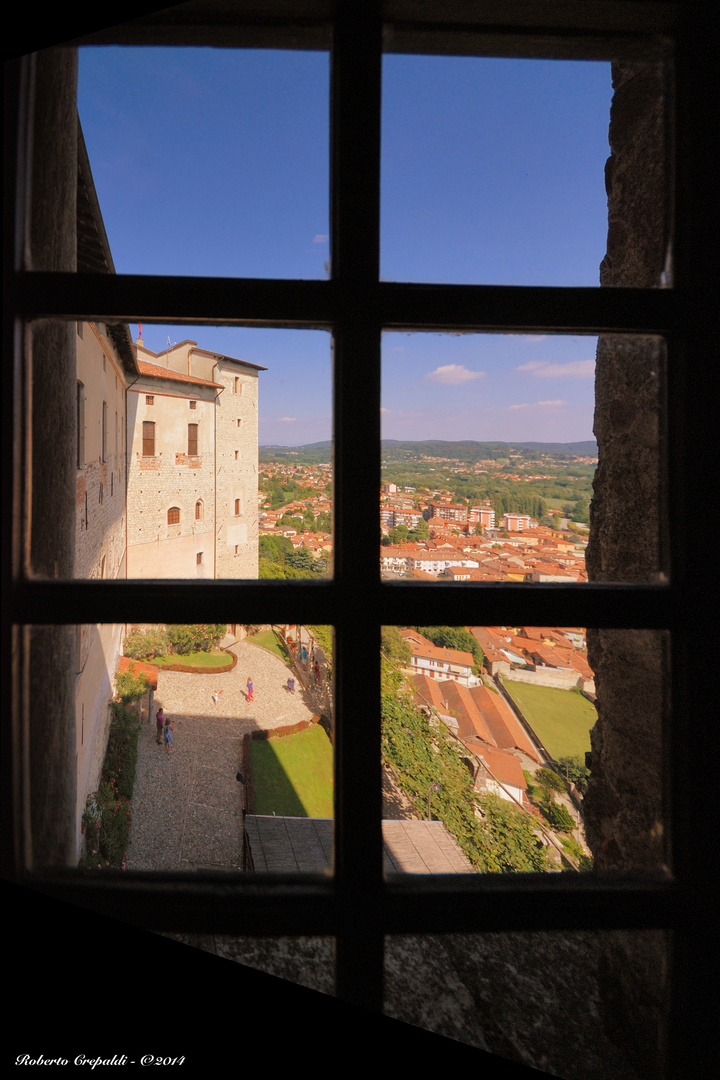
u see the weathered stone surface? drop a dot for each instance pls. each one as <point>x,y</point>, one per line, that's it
<point>624,801</point>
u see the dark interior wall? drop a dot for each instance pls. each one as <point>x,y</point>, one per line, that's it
<point>52,536</point>
<point>624,803</point>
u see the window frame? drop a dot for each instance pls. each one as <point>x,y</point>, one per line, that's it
<point>192,439</point>
<point>148,441</point>
<point>104,431</point>
<point>357,906</point>
<point>80,421</point>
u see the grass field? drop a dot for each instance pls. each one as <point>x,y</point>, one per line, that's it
<point>561,718</point>
<point>293,776</point>
<point>216,658</point>
<point>267,639</point>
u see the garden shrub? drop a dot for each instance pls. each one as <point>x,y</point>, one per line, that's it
<point>550,780</point>
<point>107,818</point>
<point>196,638</point>
<point>145,644</point>
<point>559,818</point>
<point>131,685</point>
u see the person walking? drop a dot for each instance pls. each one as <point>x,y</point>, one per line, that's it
<point>249,689</point>
<point>291,684</point>
<point>168,737</point>
<point>160,724</point>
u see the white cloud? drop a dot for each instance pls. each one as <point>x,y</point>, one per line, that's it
<point>320,239</point>
<point>286,419</point>
<point>454,375</point>
<point>584,369</point>
<point>539,405</point>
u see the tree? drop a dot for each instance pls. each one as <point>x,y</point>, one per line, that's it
<point>421,531</point>
<point>575,771</point>
<point>394,646</point>
<point>131,685</point>
<point>550,780</point>
<point>398,535</point>
<point>453,637</point>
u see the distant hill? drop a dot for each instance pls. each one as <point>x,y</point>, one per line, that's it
<point>394,450</point>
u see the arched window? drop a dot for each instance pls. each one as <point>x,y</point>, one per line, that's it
<point>199,510</point>
<point>174,515</point>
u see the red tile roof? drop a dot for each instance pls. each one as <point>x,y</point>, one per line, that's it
<point>158,372</point>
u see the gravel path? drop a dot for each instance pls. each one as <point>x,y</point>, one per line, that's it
<point>186,804</point>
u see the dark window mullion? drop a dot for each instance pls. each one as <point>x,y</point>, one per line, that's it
<point>355,222</point>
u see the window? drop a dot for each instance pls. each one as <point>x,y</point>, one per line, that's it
<point>199,510</point>
<point>104,430</point>
<point>148,438</point>
<point>80,419</point>
<point>173,515</point>
<point>357,896</point>
<point>193,404</point>
<point>237,507</point>
<point>199,558</point>
<point>149,399</point>
<point>192,440</point>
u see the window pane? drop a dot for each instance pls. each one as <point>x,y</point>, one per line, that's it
<point>248,764</point>
<point>493,172</point>
<point>499,450</point>
<point>228,173</point>
<point>492,745</point>
<point>257,456</point>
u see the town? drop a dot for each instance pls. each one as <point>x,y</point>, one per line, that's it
<point>521,517</point>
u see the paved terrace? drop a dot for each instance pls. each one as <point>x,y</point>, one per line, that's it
<point>186,805</point>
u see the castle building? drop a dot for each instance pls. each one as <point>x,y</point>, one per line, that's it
<point>104,365</point>
<point>192,465</point>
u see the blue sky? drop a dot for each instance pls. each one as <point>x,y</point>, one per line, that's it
<point>213,161</point>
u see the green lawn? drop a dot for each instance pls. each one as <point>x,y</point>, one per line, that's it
<point>267,639</point>
<point>293,776</point>
<point>561,718</point>
<point>216,658</point>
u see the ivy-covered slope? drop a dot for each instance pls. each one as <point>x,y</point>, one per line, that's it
<point>422,752</point>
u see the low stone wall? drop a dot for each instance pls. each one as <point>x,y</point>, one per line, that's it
<point>559,679</point>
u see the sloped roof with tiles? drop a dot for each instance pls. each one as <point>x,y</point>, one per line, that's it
<point>285,844</point>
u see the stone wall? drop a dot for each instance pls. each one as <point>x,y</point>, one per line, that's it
<point>237,472</point>
<point>623,808</point>
<point>561,680</point>
<point>171,478</point>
